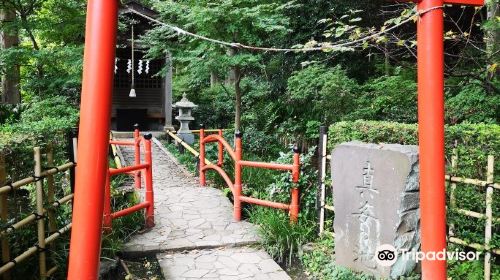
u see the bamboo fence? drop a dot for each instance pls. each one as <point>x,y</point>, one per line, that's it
<point>43,214</point>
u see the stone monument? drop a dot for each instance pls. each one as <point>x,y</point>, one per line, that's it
<point>185,108</point>
<point>376,199</point>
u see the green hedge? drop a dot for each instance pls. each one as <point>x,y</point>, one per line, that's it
<point>39,123</point>
<point>474,142</point>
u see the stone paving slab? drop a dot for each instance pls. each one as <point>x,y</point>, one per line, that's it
<point>222,263</point>
<point>187,216</point>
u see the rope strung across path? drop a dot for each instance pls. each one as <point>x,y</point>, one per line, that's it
<point>338,46</point>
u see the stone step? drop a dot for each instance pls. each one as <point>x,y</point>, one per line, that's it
<point>222,263</point>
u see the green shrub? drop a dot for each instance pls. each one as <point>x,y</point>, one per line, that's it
<point>387,98</point>
<point>318,93</point>
<point>474,142</point>
<point>473,104</point>
<point>40,123</point>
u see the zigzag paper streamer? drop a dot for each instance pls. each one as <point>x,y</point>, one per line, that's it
<point>139,67</point>
<point>129,66</point>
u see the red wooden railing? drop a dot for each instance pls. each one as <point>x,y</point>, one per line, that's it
<point>236,187</point>
<point>136,170</point>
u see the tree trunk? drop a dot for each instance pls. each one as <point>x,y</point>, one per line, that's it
<point>214,80</point>
<point>492,36</point>
<point>387,60</point>
<point>237,90</point>
<point>234,79</point>
<point>9,82</point>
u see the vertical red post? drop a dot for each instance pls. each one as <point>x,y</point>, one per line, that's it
<point>220,160</point>
<point>137,141</point>
<point>294,205</point>
<point>238,176</point>
<point>203,179</point>
<point>93,144</point>
<point>150,221</point>
<point>431,134</point>
<point>107,224</point>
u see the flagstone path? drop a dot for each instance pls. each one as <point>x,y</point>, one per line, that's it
<point>195,236</point>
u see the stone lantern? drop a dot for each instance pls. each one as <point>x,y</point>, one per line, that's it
<point>185,108</point>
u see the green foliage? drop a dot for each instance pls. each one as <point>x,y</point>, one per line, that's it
<point>388,98</point>
<point>282,239</point>
<point>249,22</point>
<point>41,123</point>
<point>473,270</point>
<point>280,184</point>
<point>320,93</point>
<point>318,261</point>
<point>50,52</point>
<point>473,104</point>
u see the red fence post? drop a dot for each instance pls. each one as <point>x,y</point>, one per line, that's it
<point>137,141</point>
<point>220,160</point>
<point>203,179</point>
<point>294,205</point>
<point>150,221</point>
<point>108,221</point>
<point>93,144</point>
<point>237,176</point>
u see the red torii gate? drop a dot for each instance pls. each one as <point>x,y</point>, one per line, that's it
<point>95,118</point>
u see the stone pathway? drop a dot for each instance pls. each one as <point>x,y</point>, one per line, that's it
<point>194,224</point>
<point>225,263</point>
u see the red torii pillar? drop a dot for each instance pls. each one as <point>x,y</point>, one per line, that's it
<point>430,37</point>
<point>93,140</point>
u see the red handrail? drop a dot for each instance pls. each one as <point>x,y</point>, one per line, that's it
<point>266,165</point>
<point>222,173</point>
<point>220,139</point>
<point>236,188</point>
<point>134,170</point>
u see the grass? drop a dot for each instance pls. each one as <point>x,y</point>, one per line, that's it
<point>281,239</point>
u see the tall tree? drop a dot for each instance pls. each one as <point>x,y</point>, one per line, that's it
<point>9,38</point>
<point>250,22</point>
<point>50,45</point>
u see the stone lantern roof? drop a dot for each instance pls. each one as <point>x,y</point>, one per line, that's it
<point>185,103</point>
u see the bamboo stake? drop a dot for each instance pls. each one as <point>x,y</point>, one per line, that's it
<point>52,271</point>
<point>185,145</point>
<point>476,182</point>
<point>4,216</point>
<point>31,251</point>
<point>51,191</point>
<point>29,180</point>
<point>31,218</point>
<point>39,210</point>
<point>51,215</point>
<point>453,187</point>
<point>322,176</point>
<point>476,246</point>
<point>489,217</point>
<point>476,215</point>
